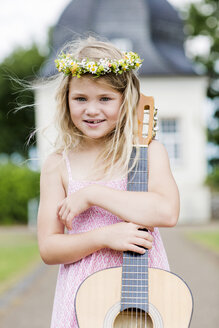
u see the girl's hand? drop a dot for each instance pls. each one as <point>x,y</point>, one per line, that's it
<point>126,236</point>
<point>72,206</point>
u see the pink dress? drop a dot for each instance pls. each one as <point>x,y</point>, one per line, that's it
<point>70,276</point>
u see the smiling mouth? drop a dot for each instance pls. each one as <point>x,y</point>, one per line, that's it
<point>94,121</point>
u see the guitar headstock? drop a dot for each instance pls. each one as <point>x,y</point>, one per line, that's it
<point>147,120</point>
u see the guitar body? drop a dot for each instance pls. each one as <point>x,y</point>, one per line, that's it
<point>97,301</point>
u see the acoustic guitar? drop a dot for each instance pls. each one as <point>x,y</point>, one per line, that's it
<point>135,296</point>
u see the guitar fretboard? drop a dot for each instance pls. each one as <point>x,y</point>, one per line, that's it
<point>135,266</point>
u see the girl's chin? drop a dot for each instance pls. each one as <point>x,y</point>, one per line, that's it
<point>89,138</point>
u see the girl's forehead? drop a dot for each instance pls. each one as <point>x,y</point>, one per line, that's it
<point>90,83</point>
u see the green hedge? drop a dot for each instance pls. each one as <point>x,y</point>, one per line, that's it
<point>212,179</point>
<point>18,184</point>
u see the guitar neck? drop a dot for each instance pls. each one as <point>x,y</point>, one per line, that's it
<point>135,266</point>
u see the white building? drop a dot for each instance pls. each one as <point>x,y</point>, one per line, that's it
<point>153,29</point>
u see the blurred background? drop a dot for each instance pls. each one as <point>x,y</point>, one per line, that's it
<point>179,41</point>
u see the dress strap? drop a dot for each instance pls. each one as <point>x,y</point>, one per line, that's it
<point>68,165</point>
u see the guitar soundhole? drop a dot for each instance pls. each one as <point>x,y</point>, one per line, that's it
<point>133,318</point>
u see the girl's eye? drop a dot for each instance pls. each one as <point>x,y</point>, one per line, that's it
<point>105,99</point>
<point>80,99</point>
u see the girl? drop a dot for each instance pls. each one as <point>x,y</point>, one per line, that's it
<point>83,183</point>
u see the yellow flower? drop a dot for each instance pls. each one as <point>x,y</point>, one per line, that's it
<point>74,68</point>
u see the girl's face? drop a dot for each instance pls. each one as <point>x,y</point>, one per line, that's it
<point>94,107</point>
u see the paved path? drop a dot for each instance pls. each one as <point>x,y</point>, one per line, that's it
<point>32,307</point>
<point>200,269</point>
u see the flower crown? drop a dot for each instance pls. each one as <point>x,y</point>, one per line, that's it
<point>69,65</point>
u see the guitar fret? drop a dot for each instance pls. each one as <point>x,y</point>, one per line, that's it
<point>136,277</point>
<point>126,278</point>
<point>135,182</point>
<point>133,255</point>
<point>135,272</point>
<point>134,265</point>
<point>138,172</point>
<point>141,303</point>
<point>130,292</point>
<point>131,297</point>
<point>133,286</point>
<point>140,282</point>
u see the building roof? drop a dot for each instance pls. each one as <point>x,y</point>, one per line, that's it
<point>152,28</point>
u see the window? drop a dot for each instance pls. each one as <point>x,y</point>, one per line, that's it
<point>169,134</point>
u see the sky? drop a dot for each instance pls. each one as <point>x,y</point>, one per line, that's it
<point>22,21</point>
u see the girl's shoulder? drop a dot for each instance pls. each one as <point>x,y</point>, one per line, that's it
<point>157,154</point>
<point>53,163</point>
<point>53,170</point>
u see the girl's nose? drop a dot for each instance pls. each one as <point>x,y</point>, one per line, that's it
<point>92,109</point>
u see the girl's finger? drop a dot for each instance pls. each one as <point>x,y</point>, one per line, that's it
<point>65,214</point>
<point>60,205</point>
<point>145,235</point>
<point>142,242</point>
<point>58,210</point>
<point>62,220</point>
<point>68,221</point>
<point>62,210</point>
<point>136,249</point>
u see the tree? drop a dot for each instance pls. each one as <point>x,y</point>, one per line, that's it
<point>201,19</point>
<point>15,126</point>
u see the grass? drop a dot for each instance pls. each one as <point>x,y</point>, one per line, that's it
<point>18,255</point>
<point>208,239</point>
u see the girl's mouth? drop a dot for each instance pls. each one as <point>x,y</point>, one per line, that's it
<point>93,123</point>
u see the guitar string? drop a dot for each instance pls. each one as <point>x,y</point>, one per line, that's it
<point>146,254</point>
<point>143,313</point>
<point>133,261</point>
<point>141,187</point>
<point>131,285</point>
<point>144,268</point>
<point>136,312</point>
<point>123,277</point>
<point>147,271</point>
<point>144,257</point>
<point>145,170</point>
<point>130,259</point>
<point>139,256</point>
<point>128,289</point>
<point>140,269</point>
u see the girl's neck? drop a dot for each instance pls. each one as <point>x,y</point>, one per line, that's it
<point>90,146</point>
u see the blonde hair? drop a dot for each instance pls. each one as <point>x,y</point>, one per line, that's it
<point>118,143</point>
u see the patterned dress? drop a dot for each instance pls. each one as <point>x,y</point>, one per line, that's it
<point>70,276</point>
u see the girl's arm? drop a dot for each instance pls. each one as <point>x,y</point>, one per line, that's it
<point>55,246</point>
<point>159,207</point>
